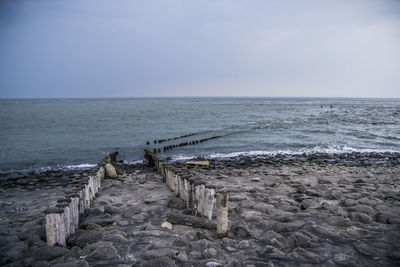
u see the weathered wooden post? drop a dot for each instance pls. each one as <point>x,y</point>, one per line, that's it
<point>81,192</point>
<point>187,185</point>
<point>182,194</point>
<point>55,227</point>
<point>86,196</point>
<point>91,188</point>
<point>198,191</point>
<point>102,173</point>
<point>176,183</point>
<point>209,200</point>
<point>67,217</point>
<point>222,213</point>
<point>74,209</point>
<point>68,214</point>
<point>169,178</point>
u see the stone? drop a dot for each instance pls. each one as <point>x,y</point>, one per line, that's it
<point>132,211</point>
<point>111,210</point>
<point>110,170</point>
<point>210,253</point>
<point>182,256</point>
<point>167,225</point>
<point>244,244</point>
<point>158,253</point>
<point>213,264</point>
<point>100,251</point>
<point>95,211</point>
<point>162,261</point>
<point>48,253</point>
<point>83,238</point>
<point>73,263</point>
<point>240,231</point>
<point>231,249</point>
<point>176,203</point>
<point>298,240</point>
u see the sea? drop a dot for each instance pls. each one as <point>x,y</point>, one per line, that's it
<point>52,134</point>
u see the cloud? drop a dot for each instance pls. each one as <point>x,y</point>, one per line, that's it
<point>257,48</point>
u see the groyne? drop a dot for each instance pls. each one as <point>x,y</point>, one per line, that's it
<point>201,198</point>
<point>62,220</point>
<point>204,200</point>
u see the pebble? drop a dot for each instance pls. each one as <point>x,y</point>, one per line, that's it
<point>231,249</point>
<point>213,264</point>
<point>244,244</point>
<point>167,225</point>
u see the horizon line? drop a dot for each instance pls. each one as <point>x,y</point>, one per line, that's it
<point>149,97</point>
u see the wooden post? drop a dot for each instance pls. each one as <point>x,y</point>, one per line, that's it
<point>209,200</point>
<point>187,191</point>
<point>222,213</point>
<point>86,196</point>
<point>74,210</point>
<point>67,217</point>
<point>55,227</point>
<point>81,200</point>
<point>176,184</point>
<point>182,194</point>
<point>90,188</point>
<point>198,200</point>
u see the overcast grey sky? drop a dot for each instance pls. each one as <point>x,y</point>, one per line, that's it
<point>338,48</point>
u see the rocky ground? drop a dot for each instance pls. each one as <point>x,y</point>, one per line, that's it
<point>287,213</point>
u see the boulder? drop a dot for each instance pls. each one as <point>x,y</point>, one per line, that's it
<point>48,253</point>
<point>110,170</point>
<point>100,251</point>
<point>82,238</point>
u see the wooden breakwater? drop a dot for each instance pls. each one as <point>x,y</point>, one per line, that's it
<point>198,196</point>
<point>63,219</point>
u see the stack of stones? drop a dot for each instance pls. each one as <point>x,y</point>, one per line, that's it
<point>63,220</point>
<point>199,196</point>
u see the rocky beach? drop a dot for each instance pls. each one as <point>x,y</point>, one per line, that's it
<point>314,211</point>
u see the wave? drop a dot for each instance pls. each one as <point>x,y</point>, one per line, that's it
<point>38,170</point>
<point>331,150</point>
<point>133,162</point>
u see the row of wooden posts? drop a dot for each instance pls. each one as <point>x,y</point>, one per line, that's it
<point>198,196</point>
<point>187,143</point>
<point>172,138</point>
<point>63,219</point>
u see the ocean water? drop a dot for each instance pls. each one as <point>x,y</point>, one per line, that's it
<point>77,133</point>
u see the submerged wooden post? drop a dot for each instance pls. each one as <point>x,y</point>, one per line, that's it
<point>55,227</point>
<point>222,213</point>
<point>209,200</point>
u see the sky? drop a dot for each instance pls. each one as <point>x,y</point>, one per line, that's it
<point>332,48</point>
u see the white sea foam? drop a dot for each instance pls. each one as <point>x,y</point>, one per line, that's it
<point>79,166</point>
<point>308,151</point>
<point>133,162</point>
